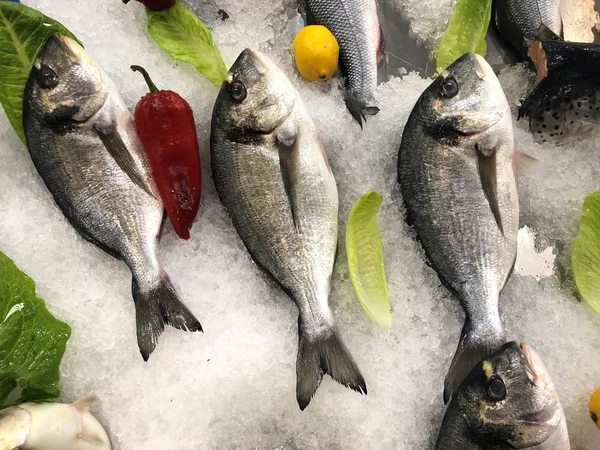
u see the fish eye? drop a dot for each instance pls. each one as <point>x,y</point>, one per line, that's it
<point>449,87</point>
<point>47,77</point>
<point>237,90</point>
<point>496,389</point>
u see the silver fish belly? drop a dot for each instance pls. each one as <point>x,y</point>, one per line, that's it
<point>97,172</point>
<point>282,198</point>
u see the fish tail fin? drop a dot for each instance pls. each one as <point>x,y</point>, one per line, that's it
<point>359,109</point>
<point>155,306</point>
<point>475,345</point>
<point>324,354</point>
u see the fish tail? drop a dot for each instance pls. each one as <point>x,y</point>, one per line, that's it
<point>359,109</point>
<point>474,346</point>
<point>324,354</point>
<point>155,306</point>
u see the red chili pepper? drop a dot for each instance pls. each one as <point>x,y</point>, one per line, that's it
<point>156,5</point>
<point>166,127</point>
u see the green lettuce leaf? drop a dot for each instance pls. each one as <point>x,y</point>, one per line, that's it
<point>23,32</point>
<point>32,341</point>
<point>586,254</point>
<point>183,36</point>
<point>364,250</point>
<point>465,33</point>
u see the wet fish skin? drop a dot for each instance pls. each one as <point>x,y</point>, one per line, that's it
<point>355,25</point>
<point>455,169</point>
<point>520,20</point>
<point>529,415</point>
<point>565,106</point>
<point>272,175</point>
<point>82,141</point>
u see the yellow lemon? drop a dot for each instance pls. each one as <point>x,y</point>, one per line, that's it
<point>595,407</point>
<point>316,51</point>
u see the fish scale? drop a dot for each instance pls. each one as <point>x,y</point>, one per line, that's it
<point>355,25</point>
<point>520,20</point>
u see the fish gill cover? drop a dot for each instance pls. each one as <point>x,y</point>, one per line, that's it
<point>23,32</point>
<point>32,340</point>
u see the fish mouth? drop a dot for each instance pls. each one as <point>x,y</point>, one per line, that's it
<point>536,371</point>
<point>481,66</point>
<point>248,58</point>
<point>75,53</point>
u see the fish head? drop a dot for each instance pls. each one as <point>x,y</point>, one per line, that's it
<point>465,99</point>
<point>256,95</point>
<point>65,82</point>
<point>510,400</point>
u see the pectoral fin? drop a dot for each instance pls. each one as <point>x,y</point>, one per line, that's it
<point>486,163</point>
<point>287,148</point>
<point>120,153</point>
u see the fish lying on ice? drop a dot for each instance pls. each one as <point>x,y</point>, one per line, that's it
<point>355,25</point>
<point>455,170</point>
<point>83,143</point>
<point>508,401</point>
<point>272,174</point>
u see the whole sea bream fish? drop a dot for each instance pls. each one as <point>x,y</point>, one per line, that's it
<point>508,401</point>
<point>83,143</point>
<point>272,175</point>
<point>355,25</point>
<point>521,20</point>
<point>456,174</point>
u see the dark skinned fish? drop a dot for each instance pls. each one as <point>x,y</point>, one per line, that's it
<point>272,175</point>
<point>565,105</point>
<point>508,401</point>
<point>82,141</point>
<point>521,20</point>
<point>355,25</point>
<point>455,171</point>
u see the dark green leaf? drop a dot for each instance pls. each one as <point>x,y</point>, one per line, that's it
<point>32,341</point>
<point>23,32</point>
<point>183,36</point>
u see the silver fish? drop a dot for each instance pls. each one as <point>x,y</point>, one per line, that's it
<point>272,175</point>
<point>83,143</point>
<point>355,25</point>
<point>521,20</point>
<point>456,174</point>
<point>508,401</point>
